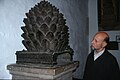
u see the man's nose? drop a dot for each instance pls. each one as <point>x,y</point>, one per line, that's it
<point>92,41</point>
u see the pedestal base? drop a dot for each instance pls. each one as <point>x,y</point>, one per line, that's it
<point>42,72</point>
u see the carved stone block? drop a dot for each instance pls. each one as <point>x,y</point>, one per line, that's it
<point>45,36</point>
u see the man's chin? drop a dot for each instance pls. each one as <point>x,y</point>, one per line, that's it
<point>92,48</point>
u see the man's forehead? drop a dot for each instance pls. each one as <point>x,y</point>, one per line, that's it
<point>104,34</point>
<point>99,37</point>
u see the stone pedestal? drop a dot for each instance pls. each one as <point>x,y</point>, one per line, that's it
<point>42,72</point>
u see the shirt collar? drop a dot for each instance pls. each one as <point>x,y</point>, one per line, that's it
<point>96,55</point>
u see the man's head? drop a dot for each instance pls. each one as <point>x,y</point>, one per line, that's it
<point>100,41</point>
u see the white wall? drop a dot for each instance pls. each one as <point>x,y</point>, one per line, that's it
<point>12,13</point>
<point>93,20</point>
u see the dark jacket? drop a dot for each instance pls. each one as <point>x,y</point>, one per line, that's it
<point>104,67</point>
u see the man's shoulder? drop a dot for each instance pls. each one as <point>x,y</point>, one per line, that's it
<point>110,57</point>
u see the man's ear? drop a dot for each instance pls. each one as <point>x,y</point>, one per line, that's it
<point>104,44</point>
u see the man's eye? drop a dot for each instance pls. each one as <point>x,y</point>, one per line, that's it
<point>95,40</point>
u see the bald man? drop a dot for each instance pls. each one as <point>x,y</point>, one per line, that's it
<point>100,64</point>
